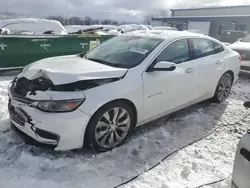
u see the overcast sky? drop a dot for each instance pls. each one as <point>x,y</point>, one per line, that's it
<point>130,10</point>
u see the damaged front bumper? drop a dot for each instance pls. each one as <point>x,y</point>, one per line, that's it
<point>62,131</point>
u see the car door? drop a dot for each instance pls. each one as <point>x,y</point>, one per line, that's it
<point>209,63</point>
<point>241,170</point>
<point>165,91</point>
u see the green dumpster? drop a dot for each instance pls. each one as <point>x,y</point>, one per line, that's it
<point>16,51</point>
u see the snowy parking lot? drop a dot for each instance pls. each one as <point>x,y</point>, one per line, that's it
<point>216,128</point>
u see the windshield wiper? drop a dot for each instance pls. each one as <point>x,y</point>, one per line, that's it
<point>99,61</point>
<point>106,62</point>
<point>81,55</point>
<point>117,65</point>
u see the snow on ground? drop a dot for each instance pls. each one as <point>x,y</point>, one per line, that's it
<point>205,161</point>
<point>4,82</point>
<point>210,159</point>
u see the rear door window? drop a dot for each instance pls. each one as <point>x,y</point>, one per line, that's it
<point>202,48</point>
<point>218,48</point>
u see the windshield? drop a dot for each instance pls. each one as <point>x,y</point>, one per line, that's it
<point>123,51</point>
<point>246,39</point>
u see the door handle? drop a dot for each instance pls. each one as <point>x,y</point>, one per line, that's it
<point>189,70</point>
<point>219,62</point>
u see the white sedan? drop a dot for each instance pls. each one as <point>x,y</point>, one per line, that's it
<point>98,97</point>
<point>242,46</point>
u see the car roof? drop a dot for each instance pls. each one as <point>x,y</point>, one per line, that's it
<point>166,34</point>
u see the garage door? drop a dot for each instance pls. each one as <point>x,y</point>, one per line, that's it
<point>201,26</point>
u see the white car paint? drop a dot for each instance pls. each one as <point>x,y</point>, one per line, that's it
<point>241,170</point>
<point>240,45</point>
<point>67,126</point>
<point>83,69</point>
<point>153,94</point>
<point>242,48</point>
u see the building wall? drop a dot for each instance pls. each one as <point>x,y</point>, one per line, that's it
<point>243,10</point>
<point>225,28</point>
<point>159,23</point>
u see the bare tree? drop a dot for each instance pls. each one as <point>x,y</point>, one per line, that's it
<point>164,13</point>
<point>87,20</point>
<point>109,22</point>
<point>79,21</point>
<point>161,13</point>
<point>148,19</point>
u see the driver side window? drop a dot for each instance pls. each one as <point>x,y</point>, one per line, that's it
<point>176,52</point>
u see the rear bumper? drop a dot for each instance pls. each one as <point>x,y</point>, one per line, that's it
<point>245,66</point>
<point>245,69</point>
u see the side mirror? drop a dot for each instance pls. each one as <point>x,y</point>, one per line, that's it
<point>246,104</point>
<point>162,66</point>
<point>240,39</point>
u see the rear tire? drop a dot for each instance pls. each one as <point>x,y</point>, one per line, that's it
<point>110,126</point>
<point>223,88</point>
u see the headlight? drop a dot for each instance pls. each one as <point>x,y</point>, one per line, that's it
<point>59,106</point>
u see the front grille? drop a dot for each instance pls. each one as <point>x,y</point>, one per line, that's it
<point>16,115</point>
<point>245,55</point>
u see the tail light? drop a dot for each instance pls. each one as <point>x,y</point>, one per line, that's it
<point>240,58</point>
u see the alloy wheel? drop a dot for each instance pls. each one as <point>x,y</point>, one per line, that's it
<point>113,127</point>
<point>224,87</point>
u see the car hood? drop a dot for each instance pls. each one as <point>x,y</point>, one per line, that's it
<point>69,69</point>
<point>240,46</point>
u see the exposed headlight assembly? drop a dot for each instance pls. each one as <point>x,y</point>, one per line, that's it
<point>60,106</point>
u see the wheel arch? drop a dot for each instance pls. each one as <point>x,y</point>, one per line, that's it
<point>231,73</point>
<point>131,104</point>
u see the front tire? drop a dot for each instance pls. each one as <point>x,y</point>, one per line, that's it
<point>110,126</point>
<point>223,88</point>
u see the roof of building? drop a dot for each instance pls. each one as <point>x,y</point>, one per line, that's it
<point>211,7</point>
<point>199,18</point>
<point>164,34</point>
